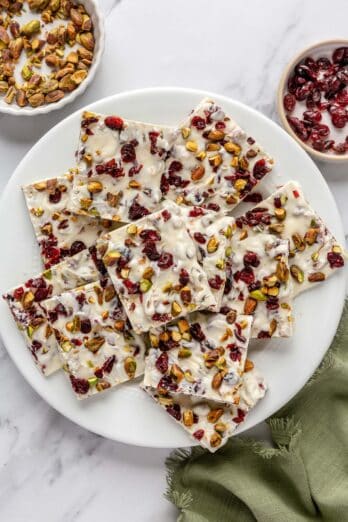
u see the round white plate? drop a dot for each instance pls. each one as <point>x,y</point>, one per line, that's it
<point>127,414</point>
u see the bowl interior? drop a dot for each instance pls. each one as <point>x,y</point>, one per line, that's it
<point>324,49</point>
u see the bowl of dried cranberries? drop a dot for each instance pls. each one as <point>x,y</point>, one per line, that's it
<point>313,100</point>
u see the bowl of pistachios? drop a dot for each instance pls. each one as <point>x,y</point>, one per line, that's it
<point>49,53</point>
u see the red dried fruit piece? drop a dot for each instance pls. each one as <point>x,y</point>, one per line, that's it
<point>164,186</point>
<point>260,169</point>
<point>196,211</point>
<point>214,206</point>
<point>340,148</point>
<point>184,277</point>
<point>313,99</point>
<point>340,55</point>
<point>339,118</point>
<point>298,128</point>
<point>197,332</point>
<point>342,98</point>
<point>175,411</point>
<point>198,122</point>
<point>134,170</point>
<point>85,325</point>
<point>322,145</point>
<point>162,318</point>
<point>136,211</point>
<point>111,168</point>
<point>175,166</point>
<point>109,363</point>
<point>302,92</point>
<point>150,249</point>
<point>133,288</point>
<point>114,122</point>
<point>162,362</point>
<point>148,234</point>
<point>198,236</point>
<point>199,434</point>
<point>80,386</point>
<point>42,293</point>
<point>167,383</point>
<point>252,259</point>
<point>305,72</point>
<point>289,102</point>
<point>215,282</point>
<point>165,261</point>
<point>323,63</point>
<point>335,260</point>
<point>166,215</point>
<point>320,130</point>
<point>235,353</point>
<point>18,293</point>
<point>313,116</point>
<point>255,197</point>
<point>56,196</point>
<point>292,85</point>
<point>128,153</point>
<point>246,275</point>
<point>219,125</point>
<point>272,303</point>
<point>77,247</point>
<point>240,416</point>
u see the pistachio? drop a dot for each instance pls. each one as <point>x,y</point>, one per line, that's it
<point>213,245</point>
<point>85,203</point>
<point>21,99</point>
<point>176,308</point>
<point>3,87</point>
<point>187,418</point>
<point>215,160</point>
<point>145,285</point>
<point>183,326</point>
<point>148,272</point>
<point>94,344</point>
<point>28,299</point>
<point>258,295</point>
<point>176,336</point>
<point>272,327</point>
<point>215,440</point>
<point>76,17</point>
<point>298,242</point>
<point>250,305</point>
<point>282,272</point>
<point>231,200</point>
<point>47,274</point>
<point>315,277</point>
<point>210,147</point>
<point>49,86</point>
<point>14,28</point>
<point>184,353</point>
<point>220,427</point>
<point>216,135</point>
<point>67,84</point>
<point>232,148</point>
<point>191,146</point>
<point>66,346</point>
<point>87,40</point>
<point>201,155</point>
<point>280,213</point>
<point>10,95</point>
<point>249,365</point>
<point>92,381</point>
<point>37,99</point>
<point>86,23</point>
<point>165,401</point>
<point>54,96</point>
<point>109,293</point>
<point>78,76</point>
<point>243,163</point>
<point>4,37</point>
<point>31,28</point>
<point>274,291</point>
<point>197,173</point>
<point>311,236</point>
<point>94,187</point>
<point>217,380</point>
<point>130,366</point>
<point>240,184</point>
<point>102,385</point>
<point>231,316</point>
<point>276,228</point>
<point>177,373</point>
<point>113,199</point>
<point>220,264</point>
<point>214,415</point>
<point>185,132</point>
<point>297,273</point>
<point>16,47</point>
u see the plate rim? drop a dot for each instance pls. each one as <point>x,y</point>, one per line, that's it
<point>197,92</point>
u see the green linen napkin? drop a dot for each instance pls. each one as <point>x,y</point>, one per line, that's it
<point>304,478</point>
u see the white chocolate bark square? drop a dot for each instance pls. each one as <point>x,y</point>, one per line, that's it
<point>202,355</point>
<point>314,252</point>
<point>211,423</point>
<point>121,163</point>
<point>213,162</point>
<point>211,234</point>
<point>259,284</point>
<point>153,266</point>
<point>95,342</point>
<point>59,232</point>
<point>25,302</point>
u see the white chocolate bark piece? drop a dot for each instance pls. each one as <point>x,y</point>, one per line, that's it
<point>259,284</point>
<point>211,423</point>
<point>95,342</point>
<point>314,252</point>
<point>213,162</point>
<point>25,301</point>
<point>211,234</point>
<point>153,266</point>
<point>59,232</point>
<point>121,164</point>
<point>202,356</point>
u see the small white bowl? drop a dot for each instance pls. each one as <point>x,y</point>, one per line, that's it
<point>324,48</point>
<point>99,35</point>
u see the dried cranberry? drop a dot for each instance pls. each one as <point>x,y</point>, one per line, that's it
<point>323,63</point>
<point>165,261</point>
<point>260,169</point>
<point>109,363</point>
<point>166,215</point>
<point>114,122</point>
<point>134,170</point>
<point>240,416</point>
<point>235,353</point>
<point>162,362</point>
<point>215,282</point>
<point>167,383</point>
<point>175,411</point>
<point>321,129</point>
<point>340,55</point>
<point>292,84</point>
<point>342,98</point>
<point>298,127</point>
<point>305,72</point>
<point>263,334</point>
<point>63,225</point>
<point>313,99</point>
<point>136,211</point>
<point>77,247</point>
<point>313,116</point>
<point>340,148</point>
<point>255,197</point>
<point>128,153</point>
<point>333,87</point>
<point>133,288</point>
<point>246,275</point>
<point>162,318</point>
<point>164,184</point>
<point>339,119</point>
<point>36,345</point>
<point>111,168</point>
<point>251,258</point>
<point>196,211</point>
<point>289,102</point>
<point>80,386</point>
<point>149,234</point>
<point>335,260</point>
<point>197,332</point>
<point>38,282</point>
<point>42,293</point>
<point>220,125</point>
<point>199,434</point>
<point>302,92</point>
<point>85,326</point>
<point>199,238</point>
<point>175,166</point>
<point>228,286</point>
<point>272,303</point>
<point>184,277</point>
<point>18,293</point>
<point>214,206</point>
<point>198,122</point>
<point>56,196</point>
<point>322,145</point>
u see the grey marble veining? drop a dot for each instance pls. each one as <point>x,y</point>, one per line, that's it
<point>50,469</point>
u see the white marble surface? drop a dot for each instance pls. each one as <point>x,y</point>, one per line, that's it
<point>50,469</point>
